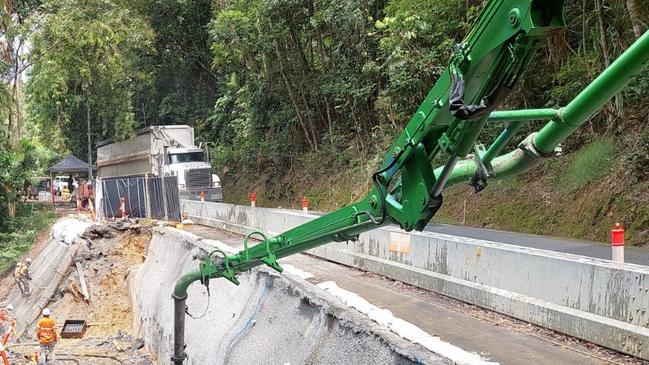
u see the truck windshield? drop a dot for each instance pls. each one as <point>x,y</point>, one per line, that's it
<point>186,157</point>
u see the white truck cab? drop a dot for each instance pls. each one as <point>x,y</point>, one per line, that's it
<point>194,173</point>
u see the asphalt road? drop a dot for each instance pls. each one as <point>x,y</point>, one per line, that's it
<point>599,250</point>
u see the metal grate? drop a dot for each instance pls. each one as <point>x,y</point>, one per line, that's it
<point>73,328</point>
<point>198,178</point>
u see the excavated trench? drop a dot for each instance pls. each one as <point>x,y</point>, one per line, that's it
<point>268,319</point>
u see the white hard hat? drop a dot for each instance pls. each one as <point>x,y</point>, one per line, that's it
<point>28,260</point>
<point>46,312</point>
<point>10,307</point>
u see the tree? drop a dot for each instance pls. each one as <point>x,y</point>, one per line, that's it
<point>636,14</point>
<point>13,34</point>
<point>88,57</point>
<point>183,88</point>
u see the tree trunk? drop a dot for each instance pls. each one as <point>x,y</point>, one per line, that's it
<point>635,13</point>
<point>15,112</point>
<point>89,139</point>
<point>291,95</point>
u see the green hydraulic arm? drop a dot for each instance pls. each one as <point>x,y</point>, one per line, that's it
<point>407,190</point>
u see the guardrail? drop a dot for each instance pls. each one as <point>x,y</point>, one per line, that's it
<point>595,300</point>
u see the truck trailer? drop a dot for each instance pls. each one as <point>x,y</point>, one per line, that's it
<point>159,151</point>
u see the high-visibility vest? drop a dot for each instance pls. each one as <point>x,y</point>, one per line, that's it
<point>18,270</point>
<point>46,331</point>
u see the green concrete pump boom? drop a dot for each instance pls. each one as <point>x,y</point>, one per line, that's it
<point>407,190</point>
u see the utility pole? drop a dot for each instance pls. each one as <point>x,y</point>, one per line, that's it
<point>90,177</point>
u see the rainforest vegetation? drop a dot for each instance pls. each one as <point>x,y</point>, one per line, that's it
<point>303,97</point>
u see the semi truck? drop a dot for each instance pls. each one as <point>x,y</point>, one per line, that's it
<point>158,151</point>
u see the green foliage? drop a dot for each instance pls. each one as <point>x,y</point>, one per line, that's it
<point>17,170</point>
<point>591,163</point>
<point>87,57</point>
<point>638,160</point>
<point>19,236</point>
<point>415,46</point>
<point>182,89</point>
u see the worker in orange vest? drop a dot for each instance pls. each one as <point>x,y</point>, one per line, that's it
<point>7,322</point>
<point>46,334</point>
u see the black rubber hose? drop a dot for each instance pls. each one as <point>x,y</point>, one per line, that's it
<point>179,331</point>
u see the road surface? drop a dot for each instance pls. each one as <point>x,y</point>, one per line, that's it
<point>635,255</point>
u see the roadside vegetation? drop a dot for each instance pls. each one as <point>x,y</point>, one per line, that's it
<point>18,236</point>
<point>302,98</point>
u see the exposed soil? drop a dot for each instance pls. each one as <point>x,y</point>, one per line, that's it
<point>106,259</point>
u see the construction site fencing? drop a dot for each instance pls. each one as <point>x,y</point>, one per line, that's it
<point>139,197</point>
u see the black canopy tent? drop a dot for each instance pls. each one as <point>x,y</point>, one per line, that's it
<point>70,164</point>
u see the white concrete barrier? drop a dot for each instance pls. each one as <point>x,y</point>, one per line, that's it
<point>596,300</point>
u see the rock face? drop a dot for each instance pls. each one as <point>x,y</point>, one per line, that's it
<point>268,319</point>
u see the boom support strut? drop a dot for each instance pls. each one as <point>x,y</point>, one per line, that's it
<point>484,68</point>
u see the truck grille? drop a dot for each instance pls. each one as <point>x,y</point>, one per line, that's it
<point>198,178</point>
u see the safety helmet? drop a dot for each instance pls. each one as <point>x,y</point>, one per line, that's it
<point>28,261</point>
<point>46,312</point>
<point>10,307</point>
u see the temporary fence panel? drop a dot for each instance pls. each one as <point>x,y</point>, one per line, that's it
<point>142,195</point>
<point>172,197</point>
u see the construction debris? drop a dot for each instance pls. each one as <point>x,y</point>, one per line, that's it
<point>90,303</point>
<point>82,281</point>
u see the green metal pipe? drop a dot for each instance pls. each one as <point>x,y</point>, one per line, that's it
<point>598,93</point>
<point>501,141</point>
<point>515,162</point>
<point>180,290</point>
<point>512,163</point>
<point>523,115</point>
<point>462,172</point>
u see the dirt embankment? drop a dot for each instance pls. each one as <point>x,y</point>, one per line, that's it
<point>106,256</point>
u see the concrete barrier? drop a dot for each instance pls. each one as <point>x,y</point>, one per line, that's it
<point>596,300</point>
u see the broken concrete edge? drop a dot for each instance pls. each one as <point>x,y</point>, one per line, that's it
<point>402,337</point>
<point>591,299</point>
